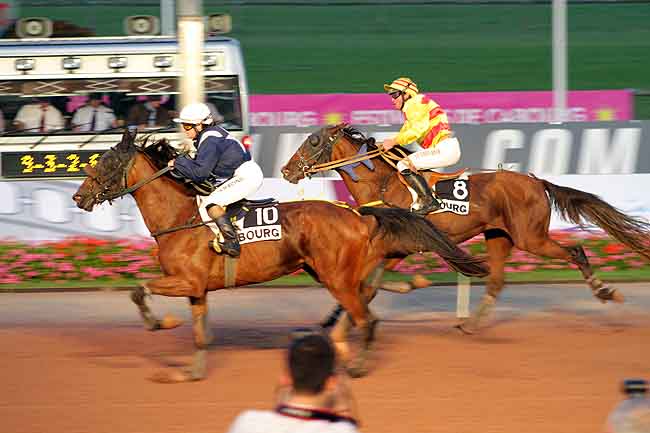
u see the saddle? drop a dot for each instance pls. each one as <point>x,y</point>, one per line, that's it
<point>435,177</point>
<point>239,209</point>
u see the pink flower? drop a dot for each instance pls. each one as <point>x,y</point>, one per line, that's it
<point>607,268</point>
<point>527,268</point>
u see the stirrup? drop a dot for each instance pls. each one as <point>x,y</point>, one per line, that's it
<point>433,205</point>
<point>233,250</point>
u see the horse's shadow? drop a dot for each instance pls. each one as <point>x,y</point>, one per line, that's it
<point>132,346</point>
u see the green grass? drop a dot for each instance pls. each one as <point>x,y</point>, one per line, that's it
<point>303,280</point>
<point>473,47</point>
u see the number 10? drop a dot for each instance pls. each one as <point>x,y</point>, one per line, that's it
<point>266,215</point>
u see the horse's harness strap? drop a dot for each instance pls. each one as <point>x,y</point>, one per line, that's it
<point>137,185</point>
<point>343,161</point>
<point>372,203</point>
<point>358,158</point>
<point>188,225</point>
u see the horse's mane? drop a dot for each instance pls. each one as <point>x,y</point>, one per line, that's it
<point>160,152</point>
<point>358,138</point>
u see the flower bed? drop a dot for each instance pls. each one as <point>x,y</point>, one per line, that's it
<point>89,259</point>
<point>604,254</point>
<point>78,259</point>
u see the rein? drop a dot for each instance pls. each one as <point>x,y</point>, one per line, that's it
<point>330,165</point>
<point>135,186</point>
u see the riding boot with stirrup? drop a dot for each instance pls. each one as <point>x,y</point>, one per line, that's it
<point>230,243</point>
<point>428,203</point>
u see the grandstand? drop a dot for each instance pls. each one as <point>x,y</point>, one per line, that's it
<point>354,46</point>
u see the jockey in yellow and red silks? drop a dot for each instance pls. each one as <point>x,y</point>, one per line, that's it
<point>425,123</point>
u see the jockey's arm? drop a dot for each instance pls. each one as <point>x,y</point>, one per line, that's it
<point>200,168</point>
<point>416,125</point>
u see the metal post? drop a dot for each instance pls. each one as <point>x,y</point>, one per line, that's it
<point>559,60</point>
<point>167,17</point>
<point>462,296</point>
<point>190,44</point>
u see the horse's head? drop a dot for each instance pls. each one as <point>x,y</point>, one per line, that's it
<point>316,149</point>
<point>108,178</point>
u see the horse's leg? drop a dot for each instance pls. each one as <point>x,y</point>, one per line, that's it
<point>369,291</point>
<point>499,246</point>
<point>198,368</point>
<point>342,324</point>
<point>575,254</point>
<point>166,286</point>
<point>347,290</point>
<point>201,336</point>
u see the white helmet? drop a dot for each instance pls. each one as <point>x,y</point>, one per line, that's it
<point>195,114</point>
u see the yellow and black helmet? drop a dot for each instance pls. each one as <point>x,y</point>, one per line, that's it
<point>402,84</point>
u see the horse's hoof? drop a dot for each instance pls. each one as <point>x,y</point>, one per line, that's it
<point>169,322</point>
<point>172,376</point>
<point>357,371</point>
<point>419,282</point>
<point>466,328</point>
<point>397,286</point>
<point>605,294</point>
<point>618,297</point>
<point>152,325</point>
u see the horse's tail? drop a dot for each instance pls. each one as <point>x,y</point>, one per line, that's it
<point>406,233</point>
<point>579,206</point>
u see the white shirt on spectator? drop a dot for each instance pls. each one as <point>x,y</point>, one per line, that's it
<point>82,119</point>
<point>30,116</point>
<point>266,421</point>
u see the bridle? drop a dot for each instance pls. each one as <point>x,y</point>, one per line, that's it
<point>123,170</point>
<point>308,164</point>
<point>104,193</point>
<point>311,165</point>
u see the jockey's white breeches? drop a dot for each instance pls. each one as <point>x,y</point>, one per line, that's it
<point>444,154</point>
<point>246,180</point>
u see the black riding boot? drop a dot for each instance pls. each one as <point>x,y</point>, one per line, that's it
<point>428,203</point>
<point>230,243</point>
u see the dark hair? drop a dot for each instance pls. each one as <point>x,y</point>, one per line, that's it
<point>311,363</point>
<point>95,96</point>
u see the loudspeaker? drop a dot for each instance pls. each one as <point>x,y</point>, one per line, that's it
<point>34,27</point>
<point>141,25</point>
<point>218,24</point>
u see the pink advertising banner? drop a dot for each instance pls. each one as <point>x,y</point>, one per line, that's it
<point>465,107</point>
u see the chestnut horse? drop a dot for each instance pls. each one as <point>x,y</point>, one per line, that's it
<point>510,209</point>
<point>336,245</point>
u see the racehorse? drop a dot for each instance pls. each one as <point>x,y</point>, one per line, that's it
<point>510,209</point>
<point>336,245</point>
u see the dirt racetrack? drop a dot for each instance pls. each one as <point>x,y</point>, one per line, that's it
<point>68,365</point>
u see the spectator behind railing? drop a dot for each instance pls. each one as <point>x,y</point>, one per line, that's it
<point>94,116</point>
<point>39,116</point>
<point>150,114</point>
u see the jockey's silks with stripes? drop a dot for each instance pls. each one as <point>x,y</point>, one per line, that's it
<point>426,122</point>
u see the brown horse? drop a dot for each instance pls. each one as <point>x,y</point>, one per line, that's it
<point>336,245</point>
<point>509,208</point>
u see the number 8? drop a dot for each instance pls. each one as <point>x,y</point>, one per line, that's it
<point>460,190</point>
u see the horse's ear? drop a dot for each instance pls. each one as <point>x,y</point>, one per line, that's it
<point>128,138</point>
<point>341,125</point>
